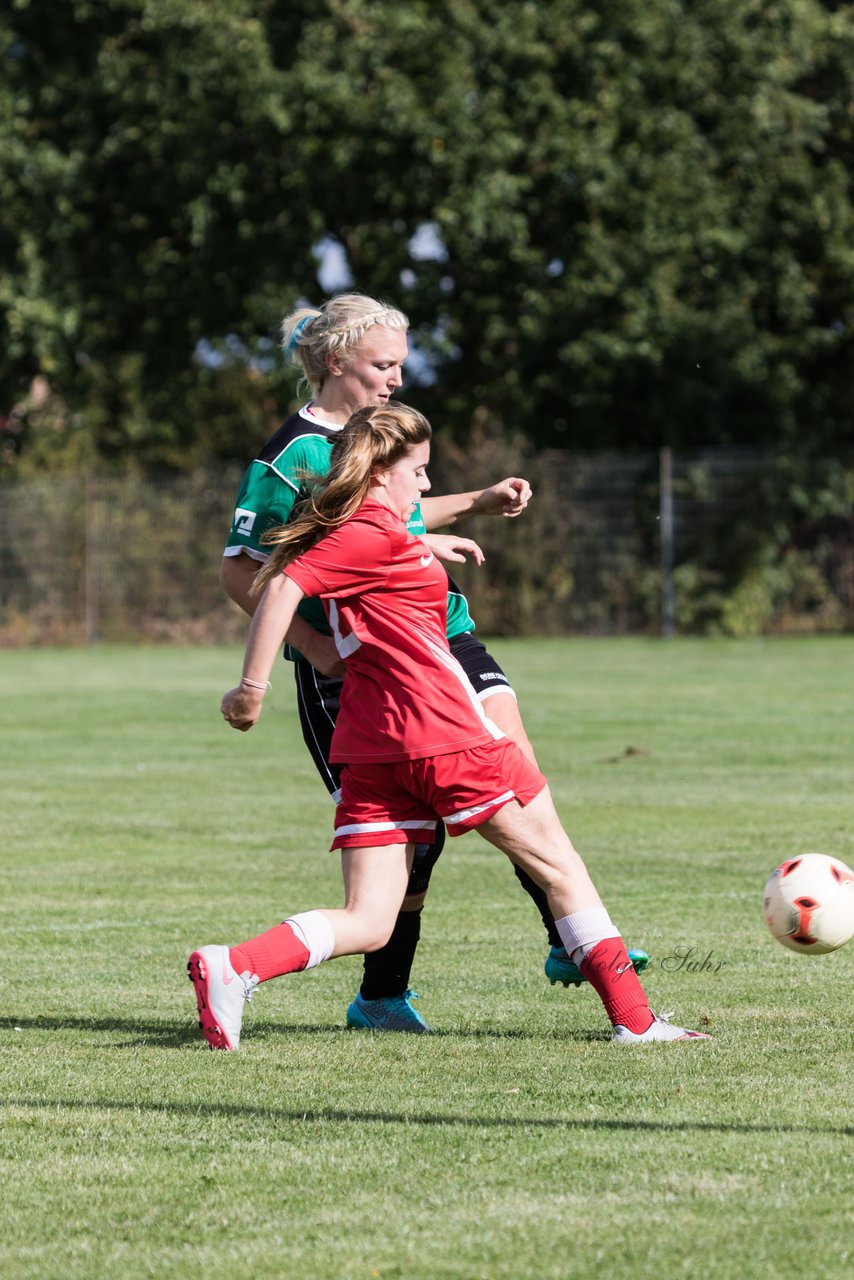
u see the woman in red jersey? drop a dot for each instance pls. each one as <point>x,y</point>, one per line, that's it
<point>412,739</point>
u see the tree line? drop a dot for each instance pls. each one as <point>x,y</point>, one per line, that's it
<point>614,224</point>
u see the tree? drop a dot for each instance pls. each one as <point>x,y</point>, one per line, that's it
<point>644,211</point>
<point>613,223</point>
<point>147,141</point>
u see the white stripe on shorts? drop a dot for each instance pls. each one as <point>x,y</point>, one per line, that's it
<point>464,814</point>
<point>416,824</point>
<point>493,692</point>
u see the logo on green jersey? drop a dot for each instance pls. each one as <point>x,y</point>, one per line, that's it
<point>244,520</point>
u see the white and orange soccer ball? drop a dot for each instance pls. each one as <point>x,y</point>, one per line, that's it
<point>809,903</point>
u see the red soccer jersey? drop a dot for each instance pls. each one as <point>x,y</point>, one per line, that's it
<point>404,695</point>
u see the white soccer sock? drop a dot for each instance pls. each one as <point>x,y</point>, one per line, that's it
<point>581,931</point>
<point>316,932</point>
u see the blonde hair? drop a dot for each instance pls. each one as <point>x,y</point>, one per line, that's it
<point>311,334</point>
<point>373,439</point>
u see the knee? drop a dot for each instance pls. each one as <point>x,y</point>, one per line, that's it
<point>376,934</point>
<point>424,860</point>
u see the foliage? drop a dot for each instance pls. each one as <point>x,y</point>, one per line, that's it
<point>623,193</point>
<point>146,167</point>
<point>614,224</point>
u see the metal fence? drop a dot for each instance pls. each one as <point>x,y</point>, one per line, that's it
<point>735,542</point>
<point>115,559</point>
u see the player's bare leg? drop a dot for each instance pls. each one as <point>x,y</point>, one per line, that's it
<point>532,836</point>
<point>375,881</point>
<point>224,977</point>
<point>503,710</point>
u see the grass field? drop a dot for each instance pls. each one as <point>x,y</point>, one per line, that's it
<point>515,1142</point>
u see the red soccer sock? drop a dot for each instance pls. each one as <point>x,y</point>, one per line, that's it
<point>279,950</point>
<point>609,971</point>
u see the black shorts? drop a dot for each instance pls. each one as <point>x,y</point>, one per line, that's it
<point>484,674</point>
<point>319,700</point>
<point>318,703</point>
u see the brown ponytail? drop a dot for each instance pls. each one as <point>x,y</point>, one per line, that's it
<point>372,440</point>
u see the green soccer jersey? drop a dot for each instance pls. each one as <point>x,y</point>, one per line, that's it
<point>271,487</point>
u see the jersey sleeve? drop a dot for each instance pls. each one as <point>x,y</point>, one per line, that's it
<point>352,559</point>
<point>264,501</point>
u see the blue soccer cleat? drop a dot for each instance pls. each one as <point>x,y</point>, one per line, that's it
<point>559,967</point>
<point>391,1013</point>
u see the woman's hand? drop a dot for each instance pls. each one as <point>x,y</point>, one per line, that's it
<point>508,498</point>
<point>447,546</point>
<point>241,707</point>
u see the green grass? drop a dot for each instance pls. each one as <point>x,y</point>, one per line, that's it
<point>514,1143</point>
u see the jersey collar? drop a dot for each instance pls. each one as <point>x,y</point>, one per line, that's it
<point>310,414</point>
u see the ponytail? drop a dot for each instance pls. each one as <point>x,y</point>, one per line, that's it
<point>372,440</point>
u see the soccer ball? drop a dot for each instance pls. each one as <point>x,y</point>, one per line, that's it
<point>809,903</point>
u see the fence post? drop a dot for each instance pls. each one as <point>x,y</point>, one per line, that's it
<point>665,517</point>
<point>90,563</point>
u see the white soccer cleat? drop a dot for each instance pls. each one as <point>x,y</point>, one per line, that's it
<point>660,1030</point>
<point>221,994</point>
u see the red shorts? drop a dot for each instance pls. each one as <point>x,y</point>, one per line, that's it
<point>399,802</point>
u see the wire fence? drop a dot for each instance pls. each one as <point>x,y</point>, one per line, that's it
<point>734,542</point>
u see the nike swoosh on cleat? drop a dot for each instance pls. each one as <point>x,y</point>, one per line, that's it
<point>226,981</point>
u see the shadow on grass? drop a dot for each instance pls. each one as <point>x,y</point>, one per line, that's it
<point>180,1035</point>
<point>314,1115</point>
